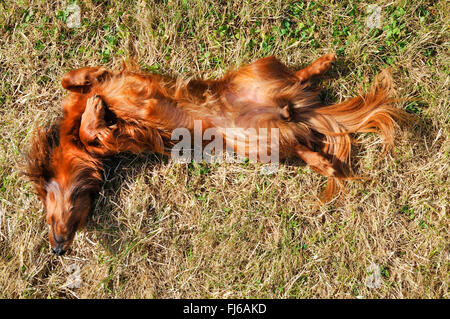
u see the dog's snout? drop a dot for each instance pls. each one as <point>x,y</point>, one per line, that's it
<point>58,250</point>
<point>58,239</point>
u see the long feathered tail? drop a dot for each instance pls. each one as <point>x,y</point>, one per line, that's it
<point>372,112</point>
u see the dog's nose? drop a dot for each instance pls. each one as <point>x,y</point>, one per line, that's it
<point>58,251</point>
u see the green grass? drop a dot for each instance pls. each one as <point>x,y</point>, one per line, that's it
<point>166,230</point>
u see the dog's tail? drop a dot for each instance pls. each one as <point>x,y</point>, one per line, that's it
<point>372,112</point>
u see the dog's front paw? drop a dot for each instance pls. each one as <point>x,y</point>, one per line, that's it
<point>95,110</point>
<point>92,119</point>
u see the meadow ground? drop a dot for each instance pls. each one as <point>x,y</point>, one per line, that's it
<point>166,230</point>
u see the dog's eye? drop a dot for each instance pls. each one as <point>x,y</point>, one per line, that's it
<point>75,226</point>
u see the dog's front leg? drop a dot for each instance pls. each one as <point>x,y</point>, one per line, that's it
<point>96,136</point>
<point>83,79</point>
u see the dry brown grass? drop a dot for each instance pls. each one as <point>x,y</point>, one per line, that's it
<point>166,230</point>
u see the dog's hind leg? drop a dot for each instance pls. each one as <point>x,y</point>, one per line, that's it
<point>315,160</point>
<point>319,66</point>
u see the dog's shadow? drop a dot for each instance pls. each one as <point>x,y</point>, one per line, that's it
<point>108,221</point>
<point>105,220</point>
<point>341,68</point>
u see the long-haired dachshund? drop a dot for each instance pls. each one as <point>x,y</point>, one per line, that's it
<point>108,112</point>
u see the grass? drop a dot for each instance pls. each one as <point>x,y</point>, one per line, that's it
<point>166,230</point>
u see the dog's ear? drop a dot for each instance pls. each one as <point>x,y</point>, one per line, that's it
<point>38,167</point>
<point>81,80</point>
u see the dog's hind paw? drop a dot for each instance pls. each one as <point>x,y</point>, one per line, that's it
<point>323,63</point>
<point>324,167</point>
<point>316,161</point>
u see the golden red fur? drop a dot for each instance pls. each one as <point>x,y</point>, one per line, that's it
<point>109,112</point>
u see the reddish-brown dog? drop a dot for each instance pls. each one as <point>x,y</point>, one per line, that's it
<point>110,112</point>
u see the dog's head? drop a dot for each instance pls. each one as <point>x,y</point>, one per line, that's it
<point>66,180</point>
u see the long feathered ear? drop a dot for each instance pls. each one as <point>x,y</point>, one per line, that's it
<point>38,159</point>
